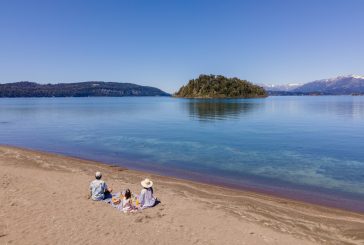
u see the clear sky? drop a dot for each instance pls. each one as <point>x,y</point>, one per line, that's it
<point>166,43</point>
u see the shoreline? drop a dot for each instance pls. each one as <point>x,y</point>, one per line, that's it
<point>307,196</point>
<point>190,212</point>
<point>300,194</point>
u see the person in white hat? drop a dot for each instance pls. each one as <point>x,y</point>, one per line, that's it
<point>146,198</point>
<point>98,188</point>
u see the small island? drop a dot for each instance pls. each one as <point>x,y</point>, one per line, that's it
<point>217,86</point>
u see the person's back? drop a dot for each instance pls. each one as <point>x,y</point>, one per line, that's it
<point>98,188</point>
<point>127,204</point>
<point>146,198</point>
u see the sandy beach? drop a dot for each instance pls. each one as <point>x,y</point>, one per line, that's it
<point>43,200</point>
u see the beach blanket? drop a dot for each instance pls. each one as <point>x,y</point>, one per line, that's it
<point>123,206</point>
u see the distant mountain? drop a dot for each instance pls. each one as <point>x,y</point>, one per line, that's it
<point>83,89</point>
<point>281,87</point>
<point>216,86</point>
<point>341,85</point>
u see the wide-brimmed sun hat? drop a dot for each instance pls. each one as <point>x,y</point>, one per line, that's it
<point>147,183</point>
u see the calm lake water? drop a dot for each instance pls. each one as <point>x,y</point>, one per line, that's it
<point>309,148</point>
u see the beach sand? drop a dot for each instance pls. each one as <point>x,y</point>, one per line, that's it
<point>43,200</point>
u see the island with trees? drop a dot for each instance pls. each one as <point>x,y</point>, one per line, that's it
<point>217,86</point>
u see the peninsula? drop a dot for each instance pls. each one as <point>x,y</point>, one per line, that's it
<point>217,86</point>
<point>82,89</point>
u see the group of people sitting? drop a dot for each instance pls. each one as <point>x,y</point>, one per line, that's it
<point>124,200</point>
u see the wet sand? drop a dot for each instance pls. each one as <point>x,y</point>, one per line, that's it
<point>43,200</point>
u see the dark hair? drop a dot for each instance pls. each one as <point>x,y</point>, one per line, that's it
<point>98,177</point>
<point>127,194</point>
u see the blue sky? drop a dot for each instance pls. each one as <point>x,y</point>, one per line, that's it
<point>166,43</point>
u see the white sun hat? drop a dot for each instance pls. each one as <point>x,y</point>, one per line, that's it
<point>98,174</point>
<point>147,183</point>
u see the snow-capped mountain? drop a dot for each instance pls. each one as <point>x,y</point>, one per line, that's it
<point>281,87</point>
<point>341,85</point>
<point>351,84</point>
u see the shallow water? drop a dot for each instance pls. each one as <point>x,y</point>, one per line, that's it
<point>308,148</point>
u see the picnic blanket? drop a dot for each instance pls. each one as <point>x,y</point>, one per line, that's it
<point>125,206</point>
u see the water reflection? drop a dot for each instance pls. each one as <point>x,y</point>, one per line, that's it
<point>333,106</point>
<point>209,110</point>
<point>349,107</point>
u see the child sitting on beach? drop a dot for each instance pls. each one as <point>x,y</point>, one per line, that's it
<point>127,203</point>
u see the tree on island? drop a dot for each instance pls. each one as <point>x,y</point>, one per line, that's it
<point>217,86</point>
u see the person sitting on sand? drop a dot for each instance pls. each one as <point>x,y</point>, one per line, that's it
<point>127,202</point>
<point>98,188</point>
<point>146,198</point>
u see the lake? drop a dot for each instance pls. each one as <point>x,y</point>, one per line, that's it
<point>306,148</point>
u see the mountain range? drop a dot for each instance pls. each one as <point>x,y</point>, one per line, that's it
<point>341,85</point>
<point>82,89</point>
